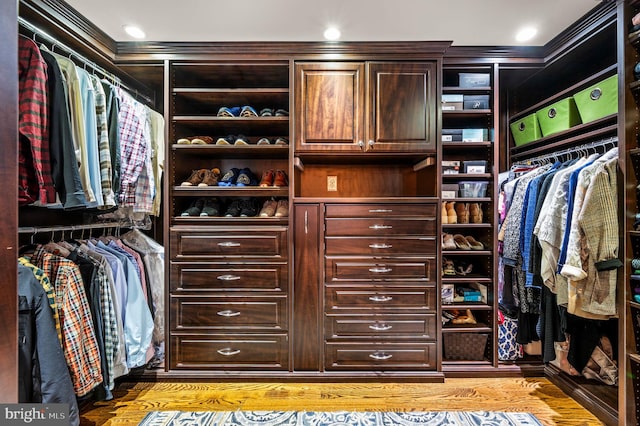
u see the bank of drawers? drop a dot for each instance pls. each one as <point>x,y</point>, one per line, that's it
<point>380,286</point>
<point>229,299</point>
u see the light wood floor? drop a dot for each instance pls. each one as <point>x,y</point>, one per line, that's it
<point>534,395</point>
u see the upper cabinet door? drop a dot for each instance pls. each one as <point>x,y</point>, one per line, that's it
<point>402,107</point>
<point>329,106</point>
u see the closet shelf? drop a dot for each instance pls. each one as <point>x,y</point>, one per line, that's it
<point>594,78</point>
<point>261,151</point>
<point>216,119</point>
<point>463,90</point>
<point>230,191</point>
<point>467,305</point>
<point>467,252</point>
<point>466,145</point>
<point>460,279</point>
<point>466,328</point>
<point>467,113</point>
<point>466,176</point>
<point>468,200</point>
<point>229,221</point>
<point>606,126</point>
<point>467,225</point>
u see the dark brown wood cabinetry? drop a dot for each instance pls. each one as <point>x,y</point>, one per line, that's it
<point>365,106</point>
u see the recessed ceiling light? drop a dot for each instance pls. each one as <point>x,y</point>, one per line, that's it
<point>526,34</point>
<point>134,31</point>
<point>332,33</point>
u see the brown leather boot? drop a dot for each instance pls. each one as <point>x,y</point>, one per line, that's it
<point>462,210</point>
<point>475,213</point>
<point>443,213</point>
<point>452,217</point>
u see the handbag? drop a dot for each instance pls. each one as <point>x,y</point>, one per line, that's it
<point>508,348</point>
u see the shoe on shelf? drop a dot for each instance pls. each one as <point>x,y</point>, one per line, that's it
<point>241,140</point>
<point>229,112</point>
<point>282,141</point>
<point>195,209</point>
<point>229,178</point>
<point>249,207</point>
<point>201,140</point>
<point>246,178</point>
<point>228,140</point>
<point>264,141</point>
<point>282,113</point>
<point>266,112</point>
<point>464,270</point>
<point>473,243</point>
<point>267,178</point>
<point>475,213</point>
<point>211,207</point>
<point>195,179</point>
<point>462,212</point>
<point>183,141</point>
<point>282,209</point>
<point>465,319</point>
<point>268,208</point>
<point>443,213</point>
<point>447,242</point>
<point>448,267</point>
<point>248,111</point>
<point>452,217</point>
<point>211,177</point>
<point>233,209</point>
<point>280,179</point>
<point>461,242</point>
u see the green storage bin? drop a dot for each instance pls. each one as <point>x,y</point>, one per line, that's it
<point>599,100</point>
<point>559,116</point>
<point>526,130</point>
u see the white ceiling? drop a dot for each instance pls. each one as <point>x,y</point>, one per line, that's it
<point>465,22</point>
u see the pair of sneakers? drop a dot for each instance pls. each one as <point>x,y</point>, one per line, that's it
<point>244,111</point>
<point>203,177</point>
<point>233,140</point>
<point>242,207</point>
<point>203,207</point>
<point>238,177</point>
<point>273,208</point>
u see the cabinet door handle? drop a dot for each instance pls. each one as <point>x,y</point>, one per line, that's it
<point>378,298</point>
<point>380,327</point>
<point>229,244</point>
<point>381,211</point>
<point>380,226</point>
<point>380,246</point>
<point>228,277</point>
<point>380,356</point>
<point>306,221</point>
<point>360,144</point>
<point>228,351</point>
<point>380,270</point>
<point>228,313</point>
<point>371,142</point>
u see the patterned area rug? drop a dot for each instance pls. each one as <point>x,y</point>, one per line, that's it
<point>338,418</point>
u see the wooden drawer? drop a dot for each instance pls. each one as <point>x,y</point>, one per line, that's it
<point>379,227</point>
<point>268,313</point>
<point>367,269</point>
<point>414,327</point>
<point>261,352</point>
<point>380,246</point>
<point>207,277</point>
<point>382,210</point>
<point>380,356</point>
<point>219,243</point>
<point>397,299</point>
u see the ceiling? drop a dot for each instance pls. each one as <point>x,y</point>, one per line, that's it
<point>465,22</point>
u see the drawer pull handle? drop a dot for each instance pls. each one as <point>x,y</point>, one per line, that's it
<point>380,246</point>
<point>380,270</point>
<point>378,298</point>
<point>228,351</point>
<point>380,356</point>
<point>381,211</point>
<point>380,327</point>
<point>228,277</point>
<point>229,244</point>
<point>380,226</point>
<point>228,313</point>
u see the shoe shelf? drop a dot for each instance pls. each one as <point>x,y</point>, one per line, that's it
<point>465,328</point>
<point>468,200</point>
<point>449,146</point>
<point>224,191</point>
<point>458,252</point>
<point>466,176</point>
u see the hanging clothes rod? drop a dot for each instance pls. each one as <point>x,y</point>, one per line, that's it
<point>55,43</point>
<point>613,141</point>
<point>45,229</point>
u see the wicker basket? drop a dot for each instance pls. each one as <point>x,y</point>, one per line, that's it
<point>465,346</point>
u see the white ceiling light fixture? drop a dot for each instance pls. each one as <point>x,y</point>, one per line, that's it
<point>526,34</point>
<point>332,34</point>
<point>134,31</point>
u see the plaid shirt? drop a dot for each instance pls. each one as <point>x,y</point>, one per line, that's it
<point>34,179</point>
<point>43,279</point>
<point>78,338</point>
<point>103,143</point>
<point>134,151</point>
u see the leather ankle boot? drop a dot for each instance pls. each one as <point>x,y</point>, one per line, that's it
<point>443,213</point>
<point>452,217</point>
<point>475,213</point>
<point>462,210</point>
